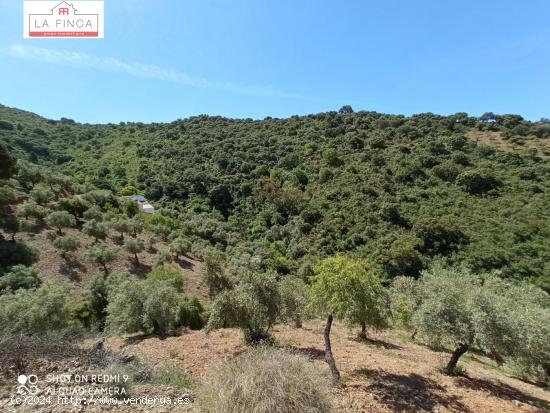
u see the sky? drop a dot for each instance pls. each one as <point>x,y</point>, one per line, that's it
<point>163,60</point>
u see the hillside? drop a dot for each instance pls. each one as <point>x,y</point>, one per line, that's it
<point>347,262</point>
<point>401,191</point>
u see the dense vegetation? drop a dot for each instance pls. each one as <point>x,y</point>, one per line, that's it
<point>372,219</point>
<point>399,191</point>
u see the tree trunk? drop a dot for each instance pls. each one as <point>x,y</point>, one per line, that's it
<point>363,333</point>
<point>413,335</point>
<point>328,353</point>
<point>546,368</point>
<point>497,357</point>
<point>136,257</point>
<point>459,352</point>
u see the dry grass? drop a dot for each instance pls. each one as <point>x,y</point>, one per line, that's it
<point>265,380</point>
<point>386,374</point>
<point>523,146</point>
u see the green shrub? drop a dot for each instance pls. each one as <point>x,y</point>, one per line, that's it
<point>125,308</point>
<point>35,311</point>
<point>18,277</point>
<point>161,308</point>
<point>191,313</point>
<point>169,275</point>
<point>266,380</point>
<point>162,257</point>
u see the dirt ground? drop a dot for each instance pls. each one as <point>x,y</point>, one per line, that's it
<point>384,374</point>
<point>77,269</point>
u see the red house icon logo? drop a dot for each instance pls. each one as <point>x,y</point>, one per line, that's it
<point>75,19</point>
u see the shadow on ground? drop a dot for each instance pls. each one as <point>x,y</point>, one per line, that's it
<point>410,393</point>
<point>379,343</point>
<point>502,391</point>
<point>311,353</point>
<point>72,268</point>
<point>140,270</point>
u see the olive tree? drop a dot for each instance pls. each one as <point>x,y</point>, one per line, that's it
<point>102,255</point>
<point>463,310</point>
<point>35,311</point>
<point>161,309</point>
<point>134,246</point>
<point>253,303</point>
<point>179,247</point>
<point>125,308</point>
<point>349,290</point>
<point>121,226</point>
<point>75,205</point>
<point>151,307</point>
<point>60,220</point>
<point>66,244</point>
<point>162,257</point>
<point>41,195</point>
<point>95,229</point>
<point>32,210</point>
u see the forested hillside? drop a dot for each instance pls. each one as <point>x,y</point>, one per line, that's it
<point>400,191</point>
<point>427,234</point>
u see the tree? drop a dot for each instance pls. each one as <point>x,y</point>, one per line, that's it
<point>136,226</point>
<point>130,208</point>
<point>66,244</point>
<point>477,182</point>
<point>102,255</point>
<point>161,308</point>
<point>28,175</point>
<point>60,220</point>
<point>11,225</point>
<point>32,209</point>
<point>100,289</point>
<point>253,304</point>
<point>180,246</point>
<point>8,164</point>
<point>294,299</point>
<point>122,226</point>
<point>346,109</point>
<point>41,195</point>
<point>35,311</point>
<point>19,276</point>
<point>350,290</point>
<point>134,246</point>
<point>405,297</point>
<point>213,274</point>
<point>162,257</point>
<point>125,308</point>
<point>75,205</point>
<point>95,229</point>
<point>93,213</point>
<point>463,310</point>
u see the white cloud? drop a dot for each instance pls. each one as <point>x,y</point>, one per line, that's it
<point>143,70</point>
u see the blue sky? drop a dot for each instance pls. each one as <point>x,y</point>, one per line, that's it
<point>167,59</point>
